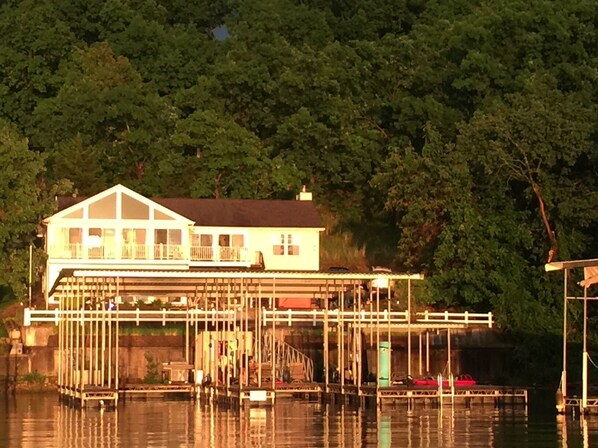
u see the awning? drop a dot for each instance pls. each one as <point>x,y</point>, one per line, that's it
<point>590,269</point>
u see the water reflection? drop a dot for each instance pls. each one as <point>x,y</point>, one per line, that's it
<point>41,421</point>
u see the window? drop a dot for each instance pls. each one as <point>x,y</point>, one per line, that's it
<point>163,216</point>
<point>292,246</point>
<point>229,240</point>
<point>238,241</point>
<point>161,236</point>
<point>201,240</point>
<point>224,240</point>
<point>104,208</point>
<point>230,246</point>
<point>133,243</point>
<point>133,236</point>
<point>167,236</point>
<point>98,236</point>
<point>133,209</point>
<point>100,243</point>
<point>77,214</point>
<point>205,240</point>
<point>94,237</point>
<point>286,244</point>
<point>167,244</point>
<point>278,249</point>
<point>201,247</point>
<point>75,235</point>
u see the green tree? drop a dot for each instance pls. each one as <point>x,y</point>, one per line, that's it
<point>532,147</point>
<point>230,161</point>
<point>25,199</point>
<point>121,124</point>
<point>421,191</point>
<point>34,42</point>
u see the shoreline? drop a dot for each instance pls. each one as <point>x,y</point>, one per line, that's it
<point>24,387</point>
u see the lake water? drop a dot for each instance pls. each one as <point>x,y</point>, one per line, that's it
<point>40,421</point>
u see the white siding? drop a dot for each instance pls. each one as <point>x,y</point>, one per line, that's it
<point>262,239</point>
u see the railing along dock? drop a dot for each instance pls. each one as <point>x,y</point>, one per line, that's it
<point>288,317</point>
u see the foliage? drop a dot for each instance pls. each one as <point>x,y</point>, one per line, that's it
<point>456,138</point>
<point>339,250</point>
<point>34,378</point>
<point>229,161</point>
<point>25,198</point>
<point>151,330</point>
<point>152,375</point>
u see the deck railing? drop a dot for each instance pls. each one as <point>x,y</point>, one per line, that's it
<point>367,318</point>
<point>151,252</point>
<point>286,317</point>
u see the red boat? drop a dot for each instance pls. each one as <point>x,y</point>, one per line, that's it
<point>461,381</point>
<point>465,380</point>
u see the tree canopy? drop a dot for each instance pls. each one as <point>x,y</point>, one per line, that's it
<point>455,138</point>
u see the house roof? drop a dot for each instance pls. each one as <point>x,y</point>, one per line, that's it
<point>234,212</point>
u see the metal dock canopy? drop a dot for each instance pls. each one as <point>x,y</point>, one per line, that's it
<point>196,283</point>
<point>586,404</point>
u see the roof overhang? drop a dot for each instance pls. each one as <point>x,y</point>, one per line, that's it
<point>248,274</point>
<point>571,264</point>
<point>285,284</point>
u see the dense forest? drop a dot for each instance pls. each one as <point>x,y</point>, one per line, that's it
<point>457,138</point>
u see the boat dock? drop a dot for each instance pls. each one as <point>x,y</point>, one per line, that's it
<point>235,350</point>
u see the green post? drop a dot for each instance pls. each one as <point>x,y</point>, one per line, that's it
<point>384,364</point>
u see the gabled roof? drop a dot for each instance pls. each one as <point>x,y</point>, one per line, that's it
<point>233,212</point>
<point>66,204</point>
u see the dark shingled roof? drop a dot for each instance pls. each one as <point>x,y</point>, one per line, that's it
<point>234,212</point>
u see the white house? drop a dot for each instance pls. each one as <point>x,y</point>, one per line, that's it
<point>121,229</point>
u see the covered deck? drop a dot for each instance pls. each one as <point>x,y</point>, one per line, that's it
<point>245,314</point>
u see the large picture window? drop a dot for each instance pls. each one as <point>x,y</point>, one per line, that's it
<point>286,244</point>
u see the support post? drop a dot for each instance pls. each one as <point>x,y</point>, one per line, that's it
<point>565,307</point>
<point>409,327</point>
<point>584,395</point>
<point>30,272</point>
<point>448,344</point>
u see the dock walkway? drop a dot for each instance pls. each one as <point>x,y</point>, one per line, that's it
<point>234,396</point>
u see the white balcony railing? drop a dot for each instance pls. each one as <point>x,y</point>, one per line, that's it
<point>150,252</point>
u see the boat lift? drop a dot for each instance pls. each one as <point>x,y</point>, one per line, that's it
<point>585,404</point>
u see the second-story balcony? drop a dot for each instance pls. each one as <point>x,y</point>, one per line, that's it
<point>146,252</point>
